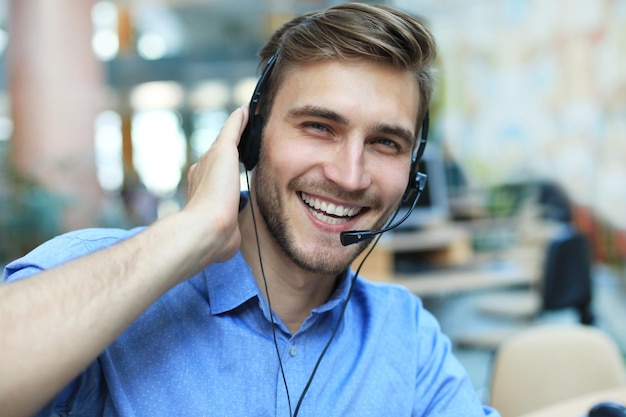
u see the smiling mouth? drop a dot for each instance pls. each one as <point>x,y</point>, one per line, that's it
<point>328,212</point>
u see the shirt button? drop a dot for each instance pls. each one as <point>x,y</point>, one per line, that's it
<point>293,350</point>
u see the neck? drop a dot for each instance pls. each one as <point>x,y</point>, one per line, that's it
<point>293,292</point>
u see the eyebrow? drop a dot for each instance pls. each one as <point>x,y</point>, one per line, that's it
<point>405,134</point>
<point>320,112</point>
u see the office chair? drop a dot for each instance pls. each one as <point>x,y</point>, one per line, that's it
<point>542,365</point>
<point>566,282</point>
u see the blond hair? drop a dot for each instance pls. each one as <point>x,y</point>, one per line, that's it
<point>353,32</point>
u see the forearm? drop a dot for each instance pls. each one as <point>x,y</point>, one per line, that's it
<point>53,325</point>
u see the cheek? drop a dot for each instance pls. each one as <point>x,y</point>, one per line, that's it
<point>288,159</point>
<point>391,180</point>
<point>279,160</point>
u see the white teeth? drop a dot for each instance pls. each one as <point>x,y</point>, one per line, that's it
<point>327,219</point>
<point>329,209</point>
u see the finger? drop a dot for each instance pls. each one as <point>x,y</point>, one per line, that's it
<point>234,126</point>
<point>190,178</point>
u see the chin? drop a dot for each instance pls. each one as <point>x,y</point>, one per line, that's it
<point>328,259</point>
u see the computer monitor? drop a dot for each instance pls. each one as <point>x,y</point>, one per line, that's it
<point>433,206</point>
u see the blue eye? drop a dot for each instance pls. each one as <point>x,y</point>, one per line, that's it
<point>389,144</point>
<point>317,126</point>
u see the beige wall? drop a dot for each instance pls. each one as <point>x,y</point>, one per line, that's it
<point>55,86</point>
<point>536,89</point>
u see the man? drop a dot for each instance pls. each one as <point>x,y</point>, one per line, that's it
<point>243,305</point>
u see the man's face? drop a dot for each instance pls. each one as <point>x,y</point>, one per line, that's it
<point>335,156</point>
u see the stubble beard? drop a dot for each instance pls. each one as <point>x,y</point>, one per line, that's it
<point>324,259</point>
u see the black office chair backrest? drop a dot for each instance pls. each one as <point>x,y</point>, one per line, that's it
<point>567,274</point>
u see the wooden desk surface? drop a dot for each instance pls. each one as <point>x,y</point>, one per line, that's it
<point>578,407</point>
<point>446,281</point>
<point>519,267</point>
<point>427,239</point>
<point>449,246</point>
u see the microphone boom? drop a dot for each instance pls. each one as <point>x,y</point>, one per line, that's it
<point>355,236</point>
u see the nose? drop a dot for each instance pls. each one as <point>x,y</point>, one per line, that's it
<point>347,167</point>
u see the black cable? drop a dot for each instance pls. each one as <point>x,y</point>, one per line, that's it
<point>269,303</point>
<point>341,315</point>
<point>332,336</point>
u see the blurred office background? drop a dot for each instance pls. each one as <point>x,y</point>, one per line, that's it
<point>104,105</point>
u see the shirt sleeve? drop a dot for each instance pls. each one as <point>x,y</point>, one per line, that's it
<point>85,395</point>
<point>62,249</point>
<point>442,380</point>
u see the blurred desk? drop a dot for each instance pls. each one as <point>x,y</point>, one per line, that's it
<point>578,407</point>
<point>455,268</point>
<point>442,245</point>
<point>474,277</point>
<point>464,278</point>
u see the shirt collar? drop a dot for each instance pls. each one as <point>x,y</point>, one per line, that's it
<point>231,284</point>
<point>339,294</point>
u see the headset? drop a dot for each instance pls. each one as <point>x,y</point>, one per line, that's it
<point>250,142</point>
<point>249,149</point>
<point>250,145</point>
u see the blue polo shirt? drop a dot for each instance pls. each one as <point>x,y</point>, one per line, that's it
<point>206,348</point>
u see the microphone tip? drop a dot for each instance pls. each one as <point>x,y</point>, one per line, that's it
<point>352,237</point>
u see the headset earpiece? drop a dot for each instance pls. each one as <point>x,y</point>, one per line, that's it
<point>415,184</point>
<point>250,142</point>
